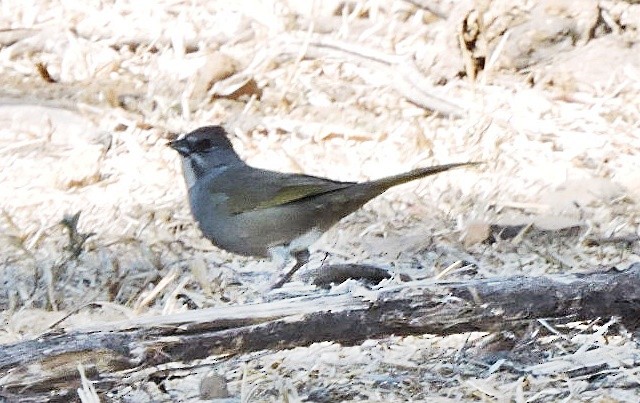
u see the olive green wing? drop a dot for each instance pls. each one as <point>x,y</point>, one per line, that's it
<point>292,193</point>
<point>261,189</point>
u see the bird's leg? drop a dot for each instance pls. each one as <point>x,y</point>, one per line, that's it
<point>324,259</point>
<point>302,257</point>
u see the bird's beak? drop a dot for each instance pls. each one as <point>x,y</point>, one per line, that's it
<point>180,145</point>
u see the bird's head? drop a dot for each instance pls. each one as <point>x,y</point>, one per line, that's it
<point>202,141</point>
<point>206,150</point>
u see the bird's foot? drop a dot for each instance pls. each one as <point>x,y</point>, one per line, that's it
<point>302,257</point>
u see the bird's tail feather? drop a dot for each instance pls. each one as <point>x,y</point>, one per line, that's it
<point>386,183</point>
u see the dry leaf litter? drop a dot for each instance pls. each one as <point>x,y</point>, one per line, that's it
<point>92,91</point>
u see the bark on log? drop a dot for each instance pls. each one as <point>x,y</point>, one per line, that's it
<point>46,368</point>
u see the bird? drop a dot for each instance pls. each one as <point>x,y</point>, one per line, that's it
<point>257,212</point>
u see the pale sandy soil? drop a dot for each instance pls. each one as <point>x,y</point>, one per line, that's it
<point>338,89</point>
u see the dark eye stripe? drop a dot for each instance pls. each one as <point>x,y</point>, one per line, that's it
<point>202,145</point>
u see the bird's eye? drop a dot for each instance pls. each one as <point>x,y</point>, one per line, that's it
<point>203,145</point>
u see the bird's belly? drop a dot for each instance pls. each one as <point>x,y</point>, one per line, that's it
<point>254,233</point>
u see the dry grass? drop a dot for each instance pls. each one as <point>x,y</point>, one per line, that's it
<point>91,93</point>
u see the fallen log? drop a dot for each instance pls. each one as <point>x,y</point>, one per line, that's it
<point>46,368</point>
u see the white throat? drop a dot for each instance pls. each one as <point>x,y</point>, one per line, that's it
<point>194,167</point>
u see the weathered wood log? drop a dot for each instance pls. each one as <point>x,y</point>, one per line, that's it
<point>45,368</point>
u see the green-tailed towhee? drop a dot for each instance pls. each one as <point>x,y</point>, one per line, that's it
<point>256,212</point>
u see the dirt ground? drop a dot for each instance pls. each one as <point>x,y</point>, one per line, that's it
<point>547,93</point>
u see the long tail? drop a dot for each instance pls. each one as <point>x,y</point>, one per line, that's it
<point>386,183</point>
